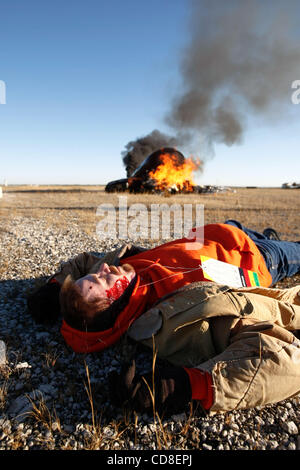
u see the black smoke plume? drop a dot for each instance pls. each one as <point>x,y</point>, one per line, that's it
<point>238,64</point>
<point>137,150</point>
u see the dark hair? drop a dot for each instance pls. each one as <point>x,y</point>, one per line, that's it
<point>96,315</point>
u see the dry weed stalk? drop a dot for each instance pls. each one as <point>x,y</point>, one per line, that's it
<point>97,434</point>
<point>156,417</point>
<point>186,427</point>
<point>88,390</point>
<point>135,428</point>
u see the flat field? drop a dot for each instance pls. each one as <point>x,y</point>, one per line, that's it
<point>256,208</point>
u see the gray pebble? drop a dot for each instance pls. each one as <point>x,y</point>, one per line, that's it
<point>206,447</point>
<point>290,427</point>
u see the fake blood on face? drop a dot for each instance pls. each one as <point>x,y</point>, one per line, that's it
<point>117,289</point>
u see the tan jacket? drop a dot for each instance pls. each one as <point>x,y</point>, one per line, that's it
<point>242,336</point>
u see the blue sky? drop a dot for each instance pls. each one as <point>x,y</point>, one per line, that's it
<point>83,78</point>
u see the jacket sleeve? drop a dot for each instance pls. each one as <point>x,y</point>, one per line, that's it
<point>84,263</point>
<point>291,294</point>
<point>259,367</point>
<point>77,267</point>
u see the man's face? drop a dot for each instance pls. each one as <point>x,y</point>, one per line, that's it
<point>108,282</point>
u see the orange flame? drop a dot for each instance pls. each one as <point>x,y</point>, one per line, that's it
<point>172,174</point>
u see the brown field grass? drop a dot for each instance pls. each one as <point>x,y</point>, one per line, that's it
<point>257,208</point>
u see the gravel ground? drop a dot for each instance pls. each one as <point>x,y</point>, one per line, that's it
<point>46,389</point>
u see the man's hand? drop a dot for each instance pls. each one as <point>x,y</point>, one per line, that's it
<point>171,392</point>
<point>44,305</point>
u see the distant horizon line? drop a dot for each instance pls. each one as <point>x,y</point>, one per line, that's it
<point>104,184</point>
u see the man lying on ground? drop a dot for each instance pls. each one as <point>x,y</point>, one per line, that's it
<point>226,345</point>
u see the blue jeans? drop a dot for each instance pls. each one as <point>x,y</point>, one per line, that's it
<point>282,258</point>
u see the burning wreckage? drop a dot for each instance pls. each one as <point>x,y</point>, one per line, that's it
<point>165,170</point>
